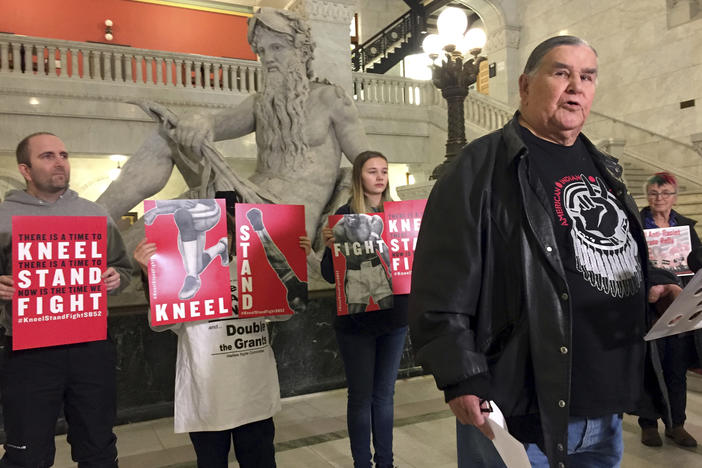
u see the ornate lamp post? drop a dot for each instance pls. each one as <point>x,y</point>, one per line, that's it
<point>452,75</point>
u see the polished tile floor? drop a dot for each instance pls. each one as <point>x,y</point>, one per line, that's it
<point>311,433</point>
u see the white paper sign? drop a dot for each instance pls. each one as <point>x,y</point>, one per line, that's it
<point>510,449</point>
<point>684,314</point>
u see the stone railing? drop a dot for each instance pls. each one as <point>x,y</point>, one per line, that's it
<point>486,112</point>
<point>480,110</point>
<point>29,57</point>
<point>81,61</point>
<point>21,55</point>
<point>373,88</point>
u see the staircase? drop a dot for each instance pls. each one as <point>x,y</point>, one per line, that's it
<point>390,45</point>
<point>402,37</point>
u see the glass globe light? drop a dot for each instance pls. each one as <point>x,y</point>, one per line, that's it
<point>475,39</point>
<point>417,67</point>
<point>452,22</point>
<point>432,45</point>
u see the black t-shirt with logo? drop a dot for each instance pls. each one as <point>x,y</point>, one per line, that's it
<point>603,271</point>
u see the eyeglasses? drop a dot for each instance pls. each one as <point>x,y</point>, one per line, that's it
<point>663,195</point>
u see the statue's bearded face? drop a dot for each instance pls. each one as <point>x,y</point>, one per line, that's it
<point>280,109</point>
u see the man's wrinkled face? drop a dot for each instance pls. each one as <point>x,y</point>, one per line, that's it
<point>557,97</point>
<point>276,51</point>
<point>48,171</point>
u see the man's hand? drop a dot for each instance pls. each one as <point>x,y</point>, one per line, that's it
<point>111,279</point>
<point>468,411</point>
<point>194,130</point>
<point>663,295</point>
<point>143,253</point>
<point>7,287</point>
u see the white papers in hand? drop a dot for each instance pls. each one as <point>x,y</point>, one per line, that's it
<point>510,449</point>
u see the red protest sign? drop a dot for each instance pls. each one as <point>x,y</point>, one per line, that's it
<point>361,263</point>
<point>402,221</point>
<point>189,274</point>
<point>57,264</point>
<point>271,265</point>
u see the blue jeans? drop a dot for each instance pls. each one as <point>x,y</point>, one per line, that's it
<point>592,443</point>
<point>371,364</point>
<point>474,450</point>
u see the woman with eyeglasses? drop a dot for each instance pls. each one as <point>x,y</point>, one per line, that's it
<point>678,352</point>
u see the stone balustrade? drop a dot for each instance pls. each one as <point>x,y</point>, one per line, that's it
<point>204,77</point>
<point>372,88</point>
<point>486,112</point>
<point>76,61</point>
<point>388,90</point>
<point>69,60</point>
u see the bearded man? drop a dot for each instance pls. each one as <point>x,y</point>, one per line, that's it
<point>302,127</point>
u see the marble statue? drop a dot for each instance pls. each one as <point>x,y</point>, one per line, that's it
<point>302,126</point>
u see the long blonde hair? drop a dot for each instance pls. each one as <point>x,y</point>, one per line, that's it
<point>358,202</point>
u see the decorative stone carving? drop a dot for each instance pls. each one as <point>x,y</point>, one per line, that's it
<point>508,36</point>
<point>302,126</point>
<point>329,11</point>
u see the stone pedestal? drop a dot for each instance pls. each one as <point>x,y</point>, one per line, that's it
<point>330,22</point>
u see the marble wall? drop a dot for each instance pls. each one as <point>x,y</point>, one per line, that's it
<point>374,15</point>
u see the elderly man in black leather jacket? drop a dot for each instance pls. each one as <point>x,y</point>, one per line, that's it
<point>531,279</point>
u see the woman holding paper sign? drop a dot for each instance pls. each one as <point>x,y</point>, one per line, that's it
<point>678,352</point>
<point>371,343</point>
<point>223,395</point>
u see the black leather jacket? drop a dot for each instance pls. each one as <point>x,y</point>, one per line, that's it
<point>489,309</point>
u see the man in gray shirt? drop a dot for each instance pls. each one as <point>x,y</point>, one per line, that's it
<point>35,383</point>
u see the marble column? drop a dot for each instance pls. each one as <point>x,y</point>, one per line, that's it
<point>502,48</point>
<point>330,21</point>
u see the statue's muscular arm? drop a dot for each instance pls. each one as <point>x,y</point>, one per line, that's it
<point>232,123</point>
<point>346,122</point>
<point>236,122</point>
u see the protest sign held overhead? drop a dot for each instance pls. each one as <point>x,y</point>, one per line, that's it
<point>669,247</point>
<point>402,221</point>
<point>361,263</point>
<point>189,274</point>
<point>57,266</point>
<point>271,265</point>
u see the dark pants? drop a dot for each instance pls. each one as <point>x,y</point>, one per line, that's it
<point>253,446</point>
<point>35,383</point>
<point>371,363</point>
<point>678,355</point>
